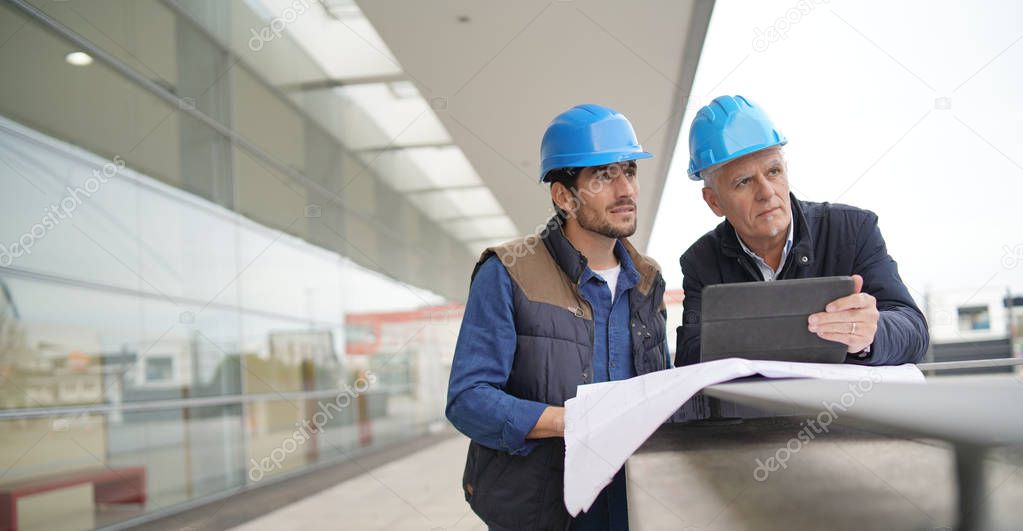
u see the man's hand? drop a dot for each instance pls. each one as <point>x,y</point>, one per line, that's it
<point>851,320</point>
<point>550,424</point>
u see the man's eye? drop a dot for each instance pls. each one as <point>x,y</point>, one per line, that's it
<point>774,171</point>
<point>741,182</point>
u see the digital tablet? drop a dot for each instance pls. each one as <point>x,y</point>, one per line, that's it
<point>768,320</point>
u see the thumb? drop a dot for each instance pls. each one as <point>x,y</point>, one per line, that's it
<point>857,283</point>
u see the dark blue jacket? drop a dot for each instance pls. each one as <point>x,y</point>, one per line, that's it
<point>829,240</point>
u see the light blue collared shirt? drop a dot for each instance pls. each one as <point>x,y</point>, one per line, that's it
<point>765,270</point>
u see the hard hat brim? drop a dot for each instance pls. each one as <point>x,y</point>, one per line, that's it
<point>694,173</point>
<point>586,160</point>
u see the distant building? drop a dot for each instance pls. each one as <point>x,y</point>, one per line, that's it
<point>974,324</point>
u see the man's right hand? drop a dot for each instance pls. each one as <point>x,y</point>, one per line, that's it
<point>550,424</point>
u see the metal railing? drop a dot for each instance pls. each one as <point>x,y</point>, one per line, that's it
<point>969,364</point>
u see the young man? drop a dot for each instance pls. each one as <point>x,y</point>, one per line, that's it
<point>575,304</point>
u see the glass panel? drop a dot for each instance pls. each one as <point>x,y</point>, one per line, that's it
<point>276,128</point>
<point>974,318</point>
<point>277,436</point>
<point>63,345</point>
<point>144,272</point>
<point>187,249</point>
<point>89,106</point>
<point>66,212</point>
<point>141,33</point>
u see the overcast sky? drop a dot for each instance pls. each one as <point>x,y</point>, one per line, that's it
<point>855,87</point>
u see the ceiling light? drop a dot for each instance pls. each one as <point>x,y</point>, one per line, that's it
<point>403,89</point>
<point>78,58</point>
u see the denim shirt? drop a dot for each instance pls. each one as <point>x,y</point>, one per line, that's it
<point>612,360</point>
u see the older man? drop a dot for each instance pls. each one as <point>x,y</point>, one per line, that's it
<point>768,234</point>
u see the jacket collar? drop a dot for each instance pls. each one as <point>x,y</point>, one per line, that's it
<point>573,263</point>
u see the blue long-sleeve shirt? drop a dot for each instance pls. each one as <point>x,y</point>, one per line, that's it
<point>477,403</point>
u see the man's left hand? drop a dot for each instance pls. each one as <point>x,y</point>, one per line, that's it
<point>851,320</point>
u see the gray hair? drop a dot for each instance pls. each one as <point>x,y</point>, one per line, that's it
<point>709,176</point>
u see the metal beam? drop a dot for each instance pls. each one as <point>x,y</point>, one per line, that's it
<point>468,218</point>
<point>325,84</point>
<point>971,364</point>
<point>177,403</point>
<point>263,158</point>
<point>399,147</point>
<point>455,188</point>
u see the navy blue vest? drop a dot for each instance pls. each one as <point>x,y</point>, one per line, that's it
<point>554,355</point>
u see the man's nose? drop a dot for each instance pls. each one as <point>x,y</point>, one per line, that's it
<point>765,190</point>
<point>624,187</point>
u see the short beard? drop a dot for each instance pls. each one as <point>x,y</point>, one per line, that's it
<point>589,221</point>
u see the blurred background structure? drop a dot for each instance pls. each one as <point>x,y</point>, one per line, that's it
<point>236,235</point>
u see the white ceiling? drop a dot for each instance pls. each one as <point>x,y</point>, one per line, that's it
<point>447,101</point>
<point>495,73</point>
<point>332,63</point>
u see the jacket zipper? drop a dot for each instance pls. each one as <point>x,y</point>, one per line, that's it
<point>748,268</point>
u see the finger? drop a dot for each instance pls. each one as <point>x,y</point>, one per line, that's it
<point>824,318</point>
<point>845,339</point>
<point>836,328</point>
<point>857,283</point>
<point>852,343</point>
<point>849,302</point>
<point>845,316</point>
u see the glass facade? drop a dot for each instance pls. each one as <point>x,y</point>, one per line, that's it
<point>201,285</point>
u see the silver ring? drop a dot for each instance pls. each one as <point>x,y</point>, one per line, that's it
<point>853,331</point>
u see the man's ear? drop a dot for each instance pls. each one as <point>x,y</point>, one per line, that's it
<point>711,198</point>
<point>562,197</point>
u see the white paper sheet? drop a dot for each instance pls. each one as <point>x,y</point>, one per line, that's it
<point>606,422</point>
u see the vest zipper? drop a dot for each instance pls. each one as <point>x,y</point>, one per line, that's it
<point>593,332</point>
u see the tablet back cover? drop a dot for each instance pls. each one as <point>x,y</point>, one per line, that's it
<point>768,320</point>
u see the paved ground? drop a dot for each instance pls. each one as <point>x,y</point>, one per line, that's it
<point>417,492</point>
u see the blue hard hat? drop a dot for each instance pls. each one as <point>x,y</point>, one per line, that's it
<point>728,128</point>
<point>588,135</point>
